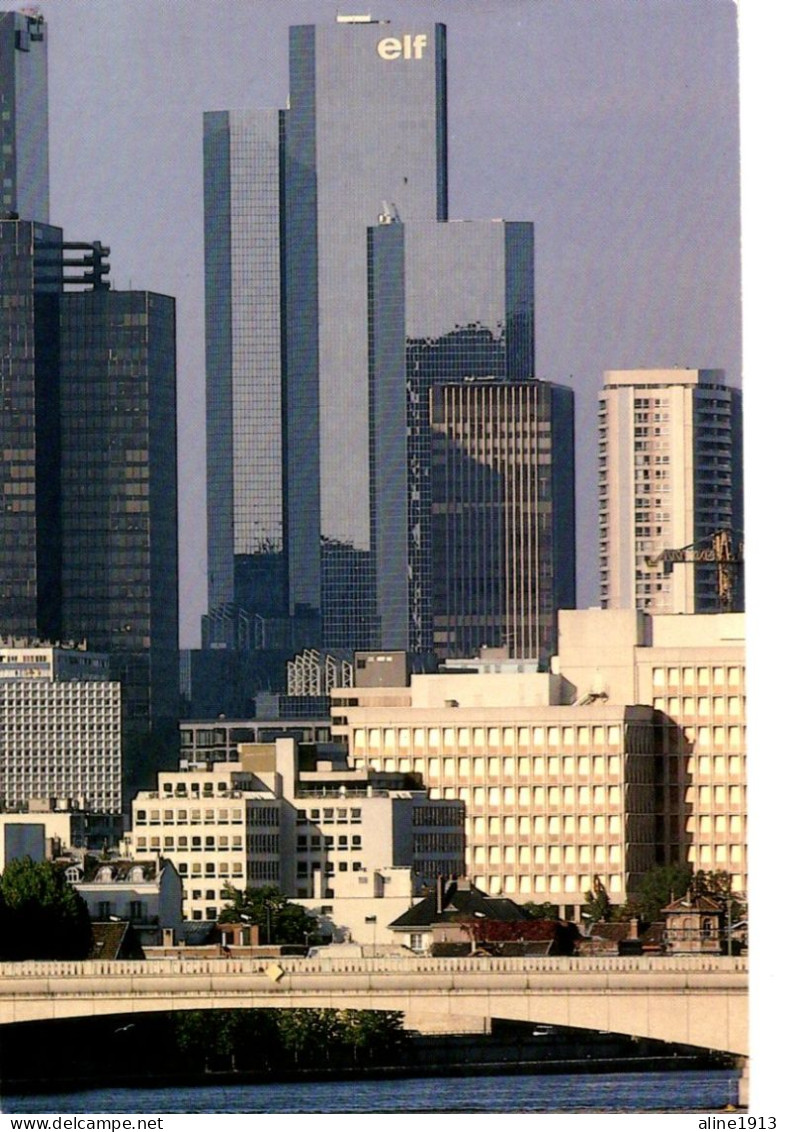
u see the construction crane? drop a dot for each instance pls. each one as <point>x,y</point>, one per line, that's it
<point>721,548</point>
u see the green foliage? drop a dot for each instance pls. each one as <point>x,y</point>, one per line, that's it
<point>41,915</point>
<point>286,1039</point>
<point>598,908</point>
<point>280,921</point>
<point>670,882</point>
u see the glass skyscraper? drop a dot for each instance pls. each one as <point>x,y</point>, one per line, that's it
<point>24,142</point>
<point>88,465</point>
<point>472,459</point>
<point>338,298</point>
<point>288,197</point>
<point>30,285</point>
<point>243,215</point>
<point>88,474</point>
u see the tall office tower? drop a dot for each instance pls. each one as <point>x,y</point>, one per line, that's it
<point>24,116</point>
<point>119,504</point>
<point>30,286</point>
<point>670,475</point>
<point>88,524</point>
<point>472,459</point>
<point>365,124</point>
<point>243,294</point>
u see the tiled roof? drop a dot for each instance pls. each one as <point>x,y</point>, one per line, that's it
<point>108,940</point>
<point>694,904</point>
<point>458,904</point>
<point>121,870</point>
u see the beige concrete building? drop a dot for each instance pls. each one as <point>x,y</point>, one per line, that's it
<point>555,795</point>
<point>263,820</point>
<point>629,753</point>
<point>692,671</point>
<point>670,475</point>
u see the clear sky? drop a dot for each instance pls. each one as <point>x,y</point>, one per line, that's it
<point>612,124</point>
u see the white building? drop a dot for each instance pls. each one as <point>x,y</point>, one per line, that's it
<point>146,893</point>
<point>263,821</point>
<point>630,753</point>
<point>60,727</point>
<point>670,476</point>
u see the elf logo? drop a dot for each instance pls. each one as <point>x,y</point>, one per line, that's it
<point>409,47</point>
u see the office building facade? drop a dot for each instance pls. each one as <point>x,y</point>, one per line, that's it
<point>670,477</point>
<point>118,485</point>
<point>629,754</point>
<point>30,285</point>
<point>472,459</point>
<point>24,116</point>
<point>60,727</point>
<point>267,820</point>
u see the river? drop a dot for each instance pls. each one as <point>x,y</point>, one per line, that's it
<point>694,1091</point>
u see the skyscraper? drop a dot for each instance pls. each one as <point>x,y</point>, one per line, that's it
<point>24,145</point>
<point>88,524</point>
<point>243,294</point>
<point>88,520</point>
<point>670,476</point>
<point>118,493</point>
<point>365,125</point>
<point>30,286</point>
<point>472,458</point>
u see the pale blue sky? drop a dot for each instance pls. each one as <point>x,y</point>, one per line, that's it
<point>612,124</point>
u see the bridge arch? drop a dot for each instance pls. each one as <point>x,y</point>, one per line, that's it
<point>693,1000</point>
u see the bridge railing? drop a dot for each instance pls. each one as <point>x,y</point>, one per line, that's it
<point>394,964</point>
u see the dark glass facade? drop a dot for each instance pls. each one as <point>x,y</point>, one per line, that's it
<point>718,486</point>
<point>88,474</point>
<point>472,459</point>
<point>29,430</point>
<point>24,148</point>
<point>119,491</point>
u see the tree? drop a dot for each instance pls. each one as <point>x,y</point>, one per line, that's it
<point>658,887</point>
<point>374,1034</point>
<point>598,907</point>
<point>43,916</point>
<point>280,921</point>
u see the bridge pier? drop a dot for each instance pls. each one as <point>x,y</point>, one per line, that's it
<point>744,1084</point>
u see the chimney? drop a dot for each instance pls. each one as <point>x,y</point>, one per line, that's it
<point>634,928</point>
<point>439,895</point>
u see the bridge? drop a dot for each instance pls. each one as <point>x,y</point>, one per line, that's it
<point>693,1000</point>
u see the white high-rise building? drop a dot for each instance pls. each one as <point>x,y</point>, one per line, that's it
<point>60,727</point>
<point>670,477</point>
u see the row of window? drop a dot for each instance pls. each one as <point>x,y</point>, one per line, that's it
<point>492,766</point>
<point>597,735</point>
<point>549,884</point>
<point>543,854</point>
<point>529,825</point>
<point>691,676</point>
<point>185,817</point>
<point>330,814</point>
